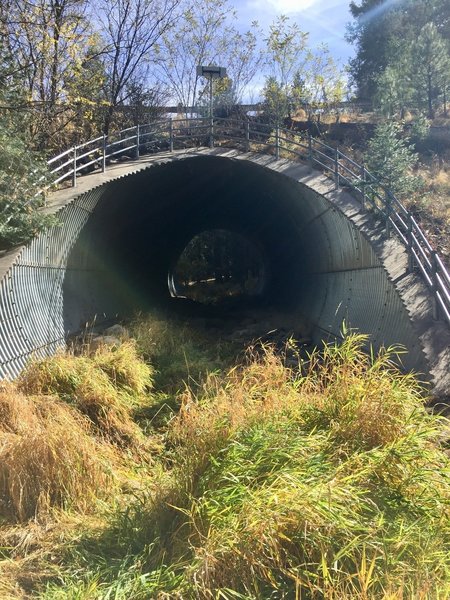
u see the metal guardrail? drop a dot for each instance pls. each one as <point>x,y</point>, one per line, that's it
<point>169,135</point>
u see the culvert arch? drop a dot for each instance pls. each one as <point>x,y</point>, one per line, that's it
<point>330,261</point>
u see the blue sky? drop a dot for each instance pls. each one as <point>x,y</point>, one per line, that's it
<point>325,20</point>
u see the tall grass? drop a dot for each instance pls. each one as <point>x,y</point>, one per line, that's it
<point>69,448</point>
<point>47,457</point>
<point>328,483</point>
<point>106,387</point>
<point>181,353</point>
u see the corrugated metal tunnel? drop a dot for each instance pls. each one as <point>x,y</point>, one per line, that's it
<point>319,263</point>
<point>119,241</point>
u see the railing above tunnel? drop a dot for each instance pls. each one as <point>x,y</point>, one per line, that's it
<point>249,136</point>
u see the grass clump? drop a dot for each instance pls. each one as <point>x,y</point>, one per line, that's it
<point>47,457</point>
<point>181,353</point>
<point>106,387</point>
<point>124,368</point>
<point>363,403</point>
<point>327,484</point>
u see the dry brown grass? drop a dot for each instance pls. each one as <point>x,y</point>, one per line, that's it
<point>431,206</point>
<point>106,387</point>
<point>31,551</point>
<point>124,368</point>
<point>47,457</point>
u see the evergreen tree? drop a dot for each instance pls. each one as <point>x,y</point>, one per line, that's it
<point>23,173</point>
<point>384,33</point>
<point>390,158</point>
<point>430,65</point>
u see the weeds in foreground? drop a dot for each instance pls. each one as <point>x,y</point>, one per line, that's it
<point>329,484</point>
<point>56,455</point>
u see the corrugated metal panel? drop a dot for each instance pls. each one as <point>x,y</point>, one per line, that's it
<point>31,295</point>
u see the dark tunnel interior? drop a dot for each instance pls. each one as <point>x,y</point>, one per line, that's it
<point>142,224</point>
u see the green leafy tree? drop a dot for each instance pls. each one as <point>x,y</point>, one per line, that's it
<point>51,42</point>
<point>205,34</point>
<point>391,158</point>
<point>325,85</point>
<point>286,57</point>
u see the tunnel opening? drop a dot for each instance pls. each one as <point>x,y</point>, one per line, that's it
<point>219,267</point>
<point>318,270</point>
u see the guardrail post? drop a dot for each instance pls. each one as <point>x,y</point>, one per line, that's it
<point>74,174</point>
<point>434,287</point>
<point>104,153</point>
<point>410,244</point>
<point>363,185</point>
<point>137,140</point>
<point>336,168</point>
<point>388,207</point>
<point>171,135</point>
<point>211,133</point>
<point>277,142</point>
<point>310,152</point>
<point>247,136</point>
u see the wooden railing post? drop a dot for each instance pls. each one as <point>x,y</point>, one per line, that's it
<point>277,142</point>
<point>171,135</point>
<point>247,136</point>
<point>74,174</point>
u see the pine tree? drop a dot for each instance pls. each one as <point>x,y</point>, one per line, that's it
<point>23,173</point>
<point>390,158</point>
<point>430,65</point>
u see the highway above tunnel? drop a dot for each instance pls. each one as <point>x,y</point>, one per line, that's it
<point>327,261</point>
